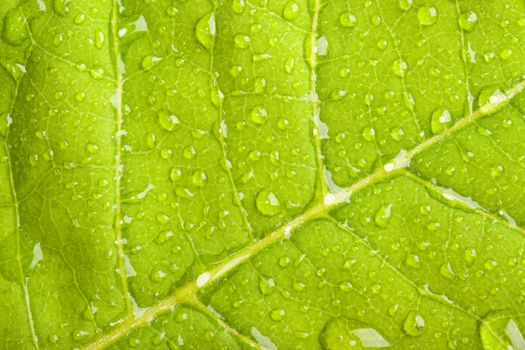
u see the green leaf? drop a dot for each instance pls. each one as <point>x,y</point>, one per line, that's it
<point>276,174</point>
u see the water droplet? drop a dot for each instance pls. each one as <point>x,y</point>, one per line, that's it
<point>81,335</point>
<point>427,15</point>
<point>80,18</point>
<point>369,133</point>
<point>199,178</point>
<point>291,10</point>
<point>397,133</point>
<point>414,324</point>
<point>400,67</point>
<point>149,61</point>
<point>446,271</point>
<point>99,39</point>
<point>267,203</point>
<point>157,275</point>
<point>382,217</point>
<point>440,121</point>
<point>267,286</point>
<point>259,115</point>
<point>413,261</point>
<point>238,6</point>
<point>189,152</point>
<point>61,7</point>
<point>343,333</point>
<point>242,41</point>
<point>278,314</point>
<point>502,330</point>
<point>164,236</point>
<point>405,5</point>
<point>205,30</point>
<point>468,20</point>
<point>347,19</point>
<point>167,120</point>
<point>92,148</point>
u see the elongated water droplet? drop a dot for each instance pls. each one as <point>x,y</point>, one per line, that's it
<point>205,30</point>
<point>382,217</point>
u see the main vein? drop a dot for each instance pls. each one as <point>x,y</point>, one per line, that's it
<point>117,103</point>
<point>314,96</point>
<point>190,290</point>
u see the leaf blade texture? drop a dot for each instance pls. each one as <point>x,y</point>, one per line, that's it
<point>262,174</point>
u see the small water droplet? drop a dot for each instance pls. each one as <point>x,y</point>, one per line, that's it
<point>468,20</point>
<point>278,314</point>
<point>400,67</point>
<point>441,120</point>
<point>81,335</point>
<point>267,203</point>
<point>427,15</point>
<point>242,41</point>
<point>238,6</point>
<point>347,19</point>
<point>149,61</point>
<point>167,120</point>
<point>343,333</point>
<point>291,10</point>
<point>189,152</point>
<point>382,217</point>
<point>259,115</point>
<point>405,5</point>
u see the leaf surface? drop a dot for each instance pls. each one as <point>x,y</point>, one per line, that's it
<point>262,174</point>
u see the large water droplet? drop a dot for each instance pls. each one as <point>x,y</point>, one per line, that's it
<point>341,333</point>
<point>267,203</point>
<point>441,120</point>
<point>414,324</point>
<point>502,330</point>
<point>205,30</point>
